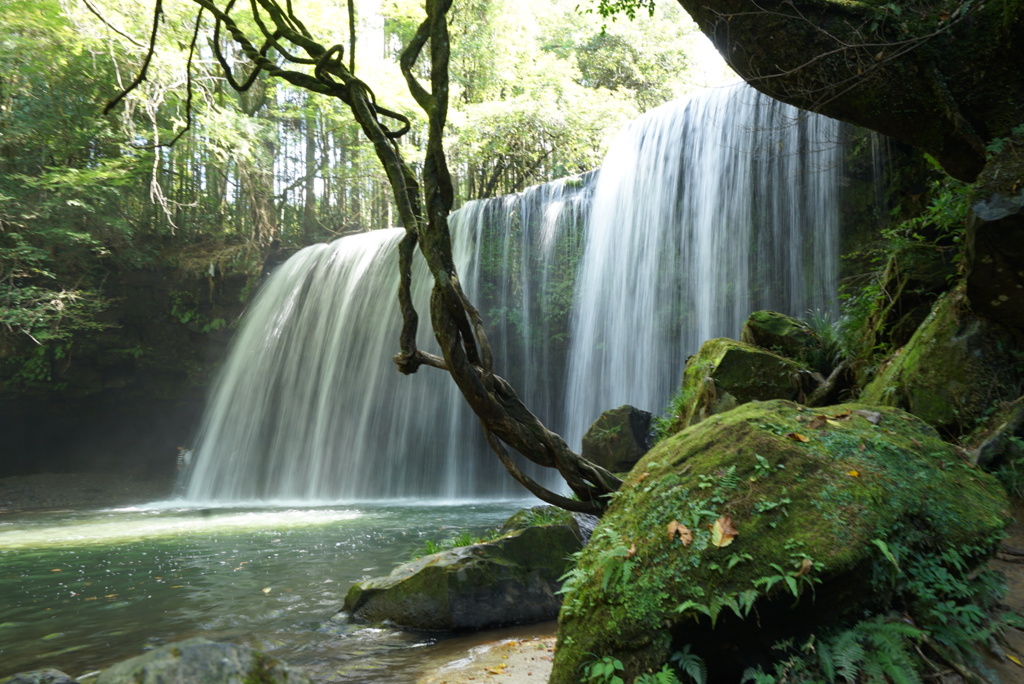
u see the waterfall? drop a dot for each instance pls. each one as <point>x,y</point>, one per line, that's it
<point>593,291</point>
<point>704,210</point>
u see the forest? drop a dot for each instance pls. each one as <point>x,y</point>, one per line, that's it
<point>330,270</point>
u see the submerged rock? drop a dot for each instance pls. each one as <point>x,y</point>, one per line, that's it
<point>953,369</point>
<point>763,524</point>
<point>618,438</point>
<point>195,661</point>
<point>47,676</point>
<point>511,580</point>
<point>725,374</point>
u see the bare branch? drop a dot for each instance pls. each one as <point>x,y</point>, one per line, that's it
<point>111,26</point>
<point>141,76</point>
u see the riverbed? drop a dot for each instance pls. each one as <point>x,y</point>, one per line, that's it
<point>83,588</point>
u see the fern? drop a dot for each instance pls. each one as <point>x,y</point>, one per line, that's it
<point>691,664</point>
<point>663,676</point>
<point>847,654</point>
<point>757,676</point>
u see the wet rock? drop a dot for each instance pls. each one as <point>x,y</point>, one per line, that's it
<point>765,523</point>
<point>48,676</point>
<point>511,580</point>
<point>618,438</point>
<point>198,661</point>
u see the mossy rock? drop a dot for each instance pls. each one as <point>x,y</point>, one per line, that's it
<point>511,580</point>
<point>952,371</point>
<point>725,374</point>
<point>780,333</point>
<point>618,438</point>
<point>47,676</point>
<point>826,504</point>
<point>200,660</point>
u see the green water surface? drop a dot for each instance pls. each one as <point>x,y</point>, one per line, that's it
<point>80,590</point>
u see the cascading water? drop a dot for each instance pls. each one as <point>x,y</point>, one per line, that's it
<point>703,211</point>
<point>309,406</point>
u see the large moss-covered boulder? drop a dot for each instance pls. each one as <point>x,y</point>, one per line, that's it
<point>953,369</point>
<point>511,580</point>
<point>200,661</point>
<point>764,523</point>
<point>618,438</point>
<point>726,373</point>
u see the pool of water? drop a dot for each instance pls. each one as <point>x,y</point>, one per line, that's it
<point>80,590</point>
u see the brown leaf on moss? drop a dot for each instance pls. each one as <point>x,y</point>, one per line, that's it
<point>816,422</point>
<point>797,437</point>
<point>723,532</point>
<point>677,530</point>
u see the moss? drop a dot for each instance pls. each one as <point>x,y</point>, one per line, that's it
<point>807,514</point>
<point>725,373</point>
<point>951,371</point>
<point>775,331</point>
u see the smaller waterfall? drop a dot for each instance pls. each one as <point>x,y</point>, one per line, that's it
<point>705,210</point>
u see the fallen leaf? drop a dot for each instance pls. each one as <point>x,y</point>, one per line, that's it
<point>816,422</point>
<point>853,473</point>
<point>797,437</point>
<point>678,530</point>
<point>723,532</point>
<point>1014,659</point>
<point>845,415</point>
<point>643,476</point>
<point>631,552</point>
<point>873,416</point>
<point>862,447</point>
<point>833,423</point>
<point>805,567</point>
<point>266,590</point>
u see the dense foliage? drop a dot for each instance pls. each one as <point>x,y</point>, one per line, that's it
<point>86,198</point>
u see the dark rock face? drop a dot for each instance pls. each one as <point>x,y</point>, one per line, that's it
<point>196,661</point>
<point>511,580</point>
<point>123,398</point>
<point>618,439</point>
<point>766,522</point>
<point>995,284</point>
